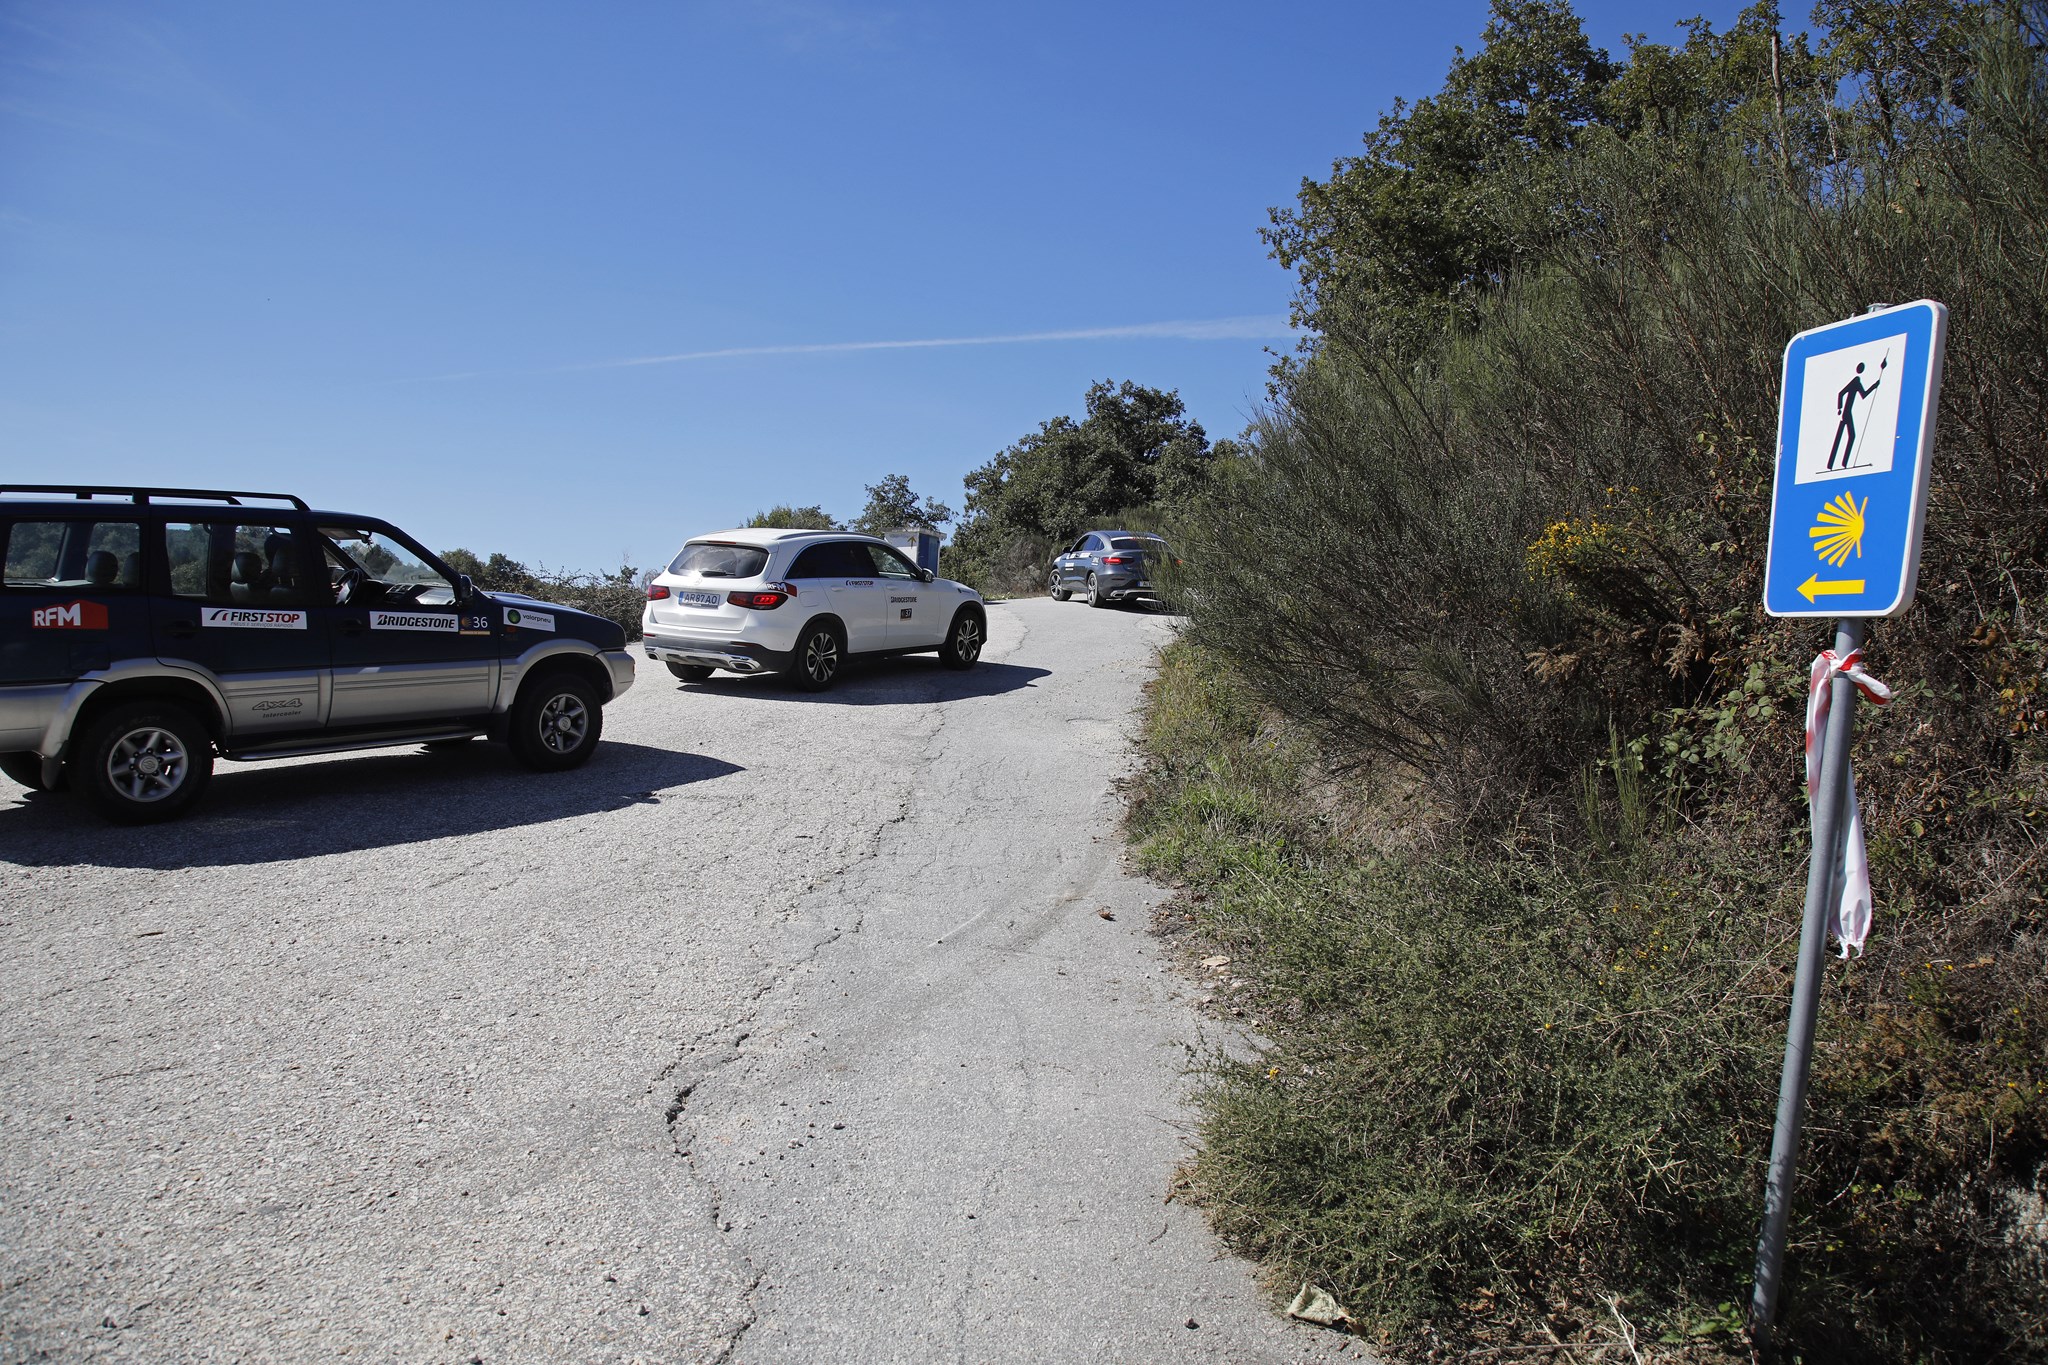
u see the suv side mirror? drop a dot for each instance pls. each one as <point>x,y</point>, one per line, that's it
<point>925,575</point>
<point>464,589</point>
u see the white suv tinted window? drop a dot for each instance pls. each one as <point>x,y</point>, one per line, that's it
<point>834,559</point>
<point>714,559</point>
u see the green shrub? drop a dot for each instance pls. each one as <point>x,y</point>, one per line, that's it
<point>1504,1084</point>
<point>615,596</point>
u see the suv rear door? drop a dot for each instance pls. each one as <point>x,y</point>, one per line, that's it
<point>1070,565</point>
<point>237,601</point>
<point>860,599</point>
<point>71,602</point>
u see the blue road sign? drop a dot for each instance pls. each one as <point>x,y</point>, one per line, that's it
<point>1855,433</point>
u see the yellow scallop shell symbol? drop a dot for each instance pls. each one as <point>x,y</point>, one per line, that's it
<point>1839,529</point>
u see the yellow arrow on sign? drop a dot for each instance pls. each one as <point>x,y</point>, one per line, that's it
<point>1813,588</point>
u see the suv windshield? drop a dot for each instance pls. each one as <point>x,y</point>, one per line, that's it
<point>717,559</point>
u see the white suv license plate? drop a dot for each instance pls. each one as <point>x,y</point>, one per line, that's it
<point>700,599</point>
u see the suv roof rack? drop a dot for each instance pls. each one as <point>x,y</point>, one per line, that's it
<point>87,492</point>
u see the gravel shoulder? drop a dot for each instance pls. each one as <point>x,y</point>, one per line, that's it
<point>421,1057</point>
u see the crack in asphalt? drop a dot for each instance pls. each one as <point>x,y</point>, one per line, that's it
<point>1045,874</point>
<point>818,896</point>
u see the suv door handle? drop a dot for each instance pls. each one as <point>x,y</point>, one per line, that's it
<point>182,629</point>
<point>352,625</point>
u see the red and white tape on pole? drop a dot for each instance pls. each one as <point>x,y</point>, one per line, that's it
<point>1852,912</point>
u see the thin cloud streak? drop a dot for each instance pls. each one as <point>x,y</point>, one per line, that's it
<point>1260,327</point>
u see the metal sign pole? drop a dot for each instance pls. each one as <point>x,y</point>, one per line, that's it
<point>1822,889</point>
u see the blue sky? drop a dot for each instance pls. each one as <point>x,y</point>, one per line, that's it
<point>574,282</point>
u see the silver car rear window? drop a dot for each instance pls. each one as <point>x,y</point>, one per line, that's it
<point>717,559</point>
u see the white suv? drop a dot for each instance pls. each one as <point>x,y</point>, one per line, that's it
<point>802,602</point>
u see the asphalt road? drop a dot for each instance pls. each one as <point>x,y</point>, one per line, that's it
<point>788,1029</point>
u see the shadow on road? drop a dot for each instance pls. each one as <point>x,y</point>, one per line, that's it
<point>912,681</point>
<point>263,813</point>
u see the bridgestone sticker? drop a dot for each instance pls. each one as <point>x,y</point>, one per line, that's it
<point>413,620</point>
<point>521,619</point>
<point>245,618</point>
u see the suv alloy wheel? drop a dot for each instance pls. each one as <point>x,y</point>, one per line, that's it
<point>556,722</point>
<point>963,640</point>
<point>818,656</point>
<point>143,762</point>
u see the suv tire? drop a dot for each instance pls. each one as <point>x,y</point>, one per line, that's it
<point>820,654</point>
<point>691,673</point>
<point>1095,597</point>
<point>1059,591</point>
<point>143,762</point>
<point>556,722</point>
<point>964,639</point>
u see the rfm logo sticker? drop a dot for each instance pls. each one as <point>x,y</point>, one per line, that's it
<point>70,616</point>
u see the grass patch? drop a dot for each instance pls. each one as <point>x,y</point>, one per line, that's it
<point>1512,1092</point>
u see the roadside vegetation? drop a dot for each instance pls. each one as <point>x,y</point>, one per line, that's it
<point>615,596</point>
<point>1481,764</point>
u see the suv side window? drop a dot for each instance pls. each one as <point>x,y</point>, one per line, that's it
<point>836,559</point>
<point>93,556</point>
<point>822,561</point>
<point>885,561</point>
<point>239,563</point>
<point>394,573</point>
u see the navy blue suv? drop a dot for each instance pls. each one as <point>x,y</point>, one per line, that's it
<point>145,630</point>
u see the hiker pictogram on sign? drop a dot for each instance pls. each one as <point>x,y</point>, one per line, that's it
<point>1844,443</point>
<point>1851,419</point>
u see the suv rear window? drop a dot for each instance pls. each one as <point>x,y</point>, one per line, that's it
<point>1137,543</point>
<point>717,559</point>
<point>101,556</point>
